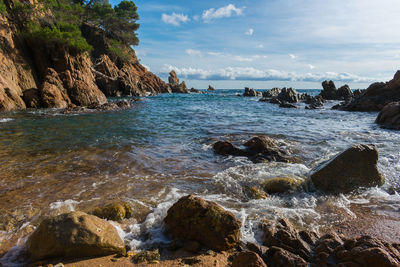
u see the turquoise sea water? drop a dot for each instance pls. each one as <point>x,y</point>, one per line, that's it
<point>160,150</point>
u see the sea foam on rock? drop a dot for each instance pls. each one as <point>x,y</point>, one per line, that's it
<point>72,235</point>
<point>192,218</point>
<point>356,167</point>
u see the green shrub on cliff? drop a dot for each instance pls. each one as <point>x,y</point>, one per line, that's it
<point>3,8</point>
<point>63,34</point>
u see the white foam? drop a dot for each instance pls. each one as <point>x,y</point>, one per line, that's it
<point>5,120</point>
<point>63,206</point>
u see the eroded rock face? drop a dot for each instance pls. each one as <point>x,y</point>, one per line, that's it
<point>73,235</point>
<point>52,91</point>
<point>356,167</point>
<point>376,96</point>
<point>389,117</point>
<point>177,87</point>
<point>32,98</point>
<point>195,219</point>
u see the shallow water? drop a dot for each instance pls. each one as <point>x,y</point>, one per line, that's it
<point>161,150</point>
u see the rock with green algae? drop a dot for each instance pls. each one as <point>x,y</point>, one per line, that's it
<point>114,211</point>
<point>193,218</point>
<point>146,256</point>
<point>73,235</point>
<point>254,192</point>
<point>281,185</point>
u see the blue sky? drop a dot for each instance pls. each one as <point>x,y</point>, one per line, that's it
<point>262,44</point>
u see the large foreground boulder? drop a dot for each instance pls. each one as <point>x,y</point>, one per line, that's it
<point>356,167</point>
<point>389,117</point>
<point>72,235</point>
<point>195,219</point>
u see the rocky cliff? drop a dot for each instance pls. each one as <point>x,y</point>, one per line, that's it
<point>39,74</point>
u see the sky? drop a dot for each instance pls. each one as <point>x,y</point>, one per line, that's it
<point>270,43</point>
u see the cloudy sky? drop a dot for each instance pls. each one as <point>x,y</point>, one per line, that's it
<point>267,43</point>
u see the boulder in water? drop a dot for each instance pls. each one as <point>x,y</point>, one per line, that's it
<point>114,211</point>
<point>73,235</point>
<point>195,219</point>
<point>274,92</point>
<point>281,185</point>
<point>250,92</point>
<point>389,117</point>
<point>356,167</point>
<point>288,95</point>
<point>210,88</point>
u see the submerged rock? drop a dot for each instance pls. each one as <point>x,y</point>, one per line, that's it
<point>254,192</point>
<point>227,148</point>
<point>195,219</point>
<point>72,235</point>
<point>287,105</point>
<point>356,167</point>
<point>115,211</point>
<point>281,185</point>
<point>389,117</point>
<point>193,90</point>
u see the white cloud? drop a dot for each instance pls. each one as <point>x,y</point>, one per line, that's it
<point>311,66</point>
<point>250,31</point>
<point>252,74</point>
<point>196,18</point>
<point>223,12</point>
<point>193,52</point>
<point>293,56</point>
<point>174,19</point>
<point>260,46</point>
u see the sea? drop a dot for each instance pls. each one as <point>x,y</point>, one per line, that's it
<point>161,149</point>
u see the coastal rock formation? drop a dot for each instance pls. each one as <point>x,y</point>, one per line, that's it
<point>114,211</point>
<point>329,91</point>
<point>274,92</point>
<point>250,92</point>
<point>177,87</point>
<point>258,149</point>
<point>73,235</point>
<point>288,95</point>
<point>194,90</point>
<point>356,167</point>
<point>389,117</point>
<point>210,88</point>
<point>32,98</point>
<point>52,91</point>
<point>376,96</point>
<point>281,185</point>
<point>314,102</point>
<point>249,259</point>
<point>195,219</point>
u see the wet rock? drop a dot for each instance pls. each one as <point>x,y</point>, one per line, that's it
<point>195,219</point>
<point>367,251</point>
<point>227,148</point>
<point>344,92</point>
<point>74,235</point>
<point>146,256</point>
<point>115,211</point>
<point>175,85</point>
<point>253,192</point>
<point>250,92</point>
<point>249,259</point>
<point>376,96</point>
<point>259,144</point>
<point>281,185</point>
<point>283,235</point>
<point>52,91</point>
<point>260,250</point>
<point>330,92</point>
<point>32,98</point>
<point>356,167</point>
<point>193,90</point>
<point>314,102</point>
<point>288,95</point>
<point>279,257</point>
<point>389,116</point>
<point>274,92</point>
<point>265,149</point>
<point>210,88</point>
<point>275,100</point>
<point>287,105</point>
